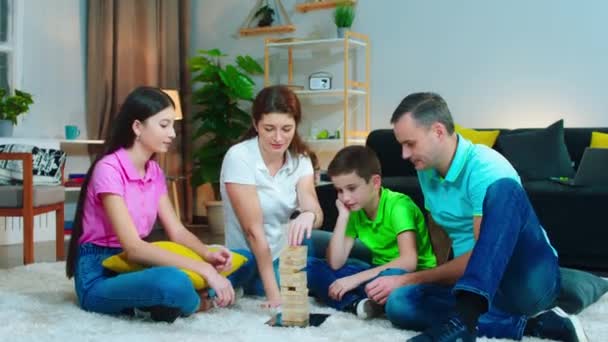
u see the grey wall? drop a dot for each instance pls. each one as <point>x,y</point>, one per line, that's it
<point>498,63</point>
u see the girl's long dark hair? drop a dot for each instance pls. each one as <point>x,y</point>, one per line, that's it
<point>278,99</point>
<point>140,104</point>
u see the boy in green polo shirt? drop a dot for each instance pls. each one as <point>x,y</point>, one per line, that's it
<point>388,223</point>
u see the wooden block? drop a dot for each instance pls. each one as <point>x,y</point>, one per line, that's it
<point>293,279</point>
<point>291,301</point>
<point>294,291</point>
<point>303,323</point>
<point>293,257</point>
<point>295,316</point>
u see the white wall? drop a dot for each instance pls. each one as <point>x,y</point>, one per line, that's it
<point>498,64</point>
<point>53,67</point>
<point>53,43</point>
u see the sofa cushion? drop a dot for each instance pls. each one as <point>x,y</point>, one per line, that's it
<point>47,164</point>
<point>538,154</point>
<point>388,150</point>
<point>599,139</point>
<point>579,290</point>
<point>11,196</point>
<point>483,137</point>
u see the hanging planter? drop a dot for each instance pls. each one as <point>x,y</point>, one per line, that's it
<point>268,16</point>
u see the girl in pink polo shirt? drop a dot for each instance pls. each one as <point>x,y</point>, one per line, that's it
<point>123,194</point>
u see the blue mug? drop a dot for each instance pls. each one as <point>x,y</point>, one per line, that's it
<point>71,132</point>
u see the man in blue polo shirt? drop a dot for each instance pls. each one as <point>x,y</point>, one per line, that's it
<point>504,277</point>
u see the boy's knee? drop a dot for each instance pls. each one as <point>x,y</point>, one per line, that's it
<point>315,264</point>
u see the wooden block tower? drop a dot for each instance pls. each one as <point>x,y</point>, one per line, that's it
<point>294,292</point>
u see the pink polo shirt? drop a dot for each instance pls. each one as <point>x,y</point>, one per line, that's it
<point>116,174</point>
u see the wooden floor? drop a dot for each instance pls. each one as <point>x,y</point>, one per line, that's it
<point>12,255</point>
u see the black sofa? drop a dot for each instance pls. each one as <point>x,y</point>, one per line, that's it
<point>574,217</point>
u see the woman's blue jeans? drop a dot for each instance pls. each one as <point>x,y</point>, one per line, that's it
<point>103,291</point>
<point>252,282</point>
<point>512,265</point>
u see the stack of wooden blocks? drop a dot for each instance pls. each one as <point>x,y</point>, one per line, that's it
<point>294,292</point>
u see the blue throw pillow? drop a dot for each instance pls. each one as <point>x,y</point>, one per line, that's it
<point>579,290</point>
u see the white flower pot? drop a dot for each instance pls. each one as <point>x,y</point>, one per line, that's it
<point>6,128</point>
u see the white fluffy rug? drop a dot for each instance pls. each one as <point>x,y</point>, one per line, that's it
<point>37,303</point>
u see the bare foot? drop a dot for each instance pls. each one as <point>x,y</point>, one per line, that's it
<point>206,302</point>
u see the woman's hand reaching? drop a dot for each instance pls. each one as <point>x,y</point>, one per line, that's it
<point>300,227</point>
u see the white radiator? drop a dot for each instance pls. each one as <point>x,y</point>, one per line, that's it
<point>11,228</point>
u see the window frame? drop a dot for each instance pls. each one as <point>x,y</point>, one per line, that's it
<point>13,45</point>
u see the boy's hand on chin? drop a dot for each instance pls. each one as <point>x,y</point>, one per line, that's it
<point>342,209</point>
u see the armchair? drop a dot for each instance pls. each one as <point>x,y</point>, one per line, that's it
<point>28,200</point>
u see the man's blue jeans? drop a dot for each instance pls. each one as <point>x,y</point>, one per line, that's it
<point>103,291</point>
<point>512,265</point>
<point>320,276</point>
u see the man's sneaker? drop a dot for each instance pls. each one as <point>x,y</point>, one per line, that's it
<point>557,325</point>
<point>367,309</point>
<point>452,331</point>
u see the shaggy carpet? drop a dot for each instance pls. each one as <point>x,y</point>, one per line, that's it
<point>37,303</point>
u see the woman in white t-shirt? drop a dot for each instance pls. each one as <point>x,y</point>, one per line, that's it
<point>264,179</point>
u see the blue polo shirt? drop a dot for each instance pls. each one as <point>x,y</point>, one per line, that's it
<point>453,201</point>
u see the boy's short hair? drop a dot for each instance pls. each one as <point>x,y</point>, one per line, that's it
<point>359,159</point>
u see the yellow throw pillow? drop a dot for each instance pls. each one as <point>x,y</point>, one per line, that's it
<point>487,138</point>
<point>119,264</point>
<point>599,140</point>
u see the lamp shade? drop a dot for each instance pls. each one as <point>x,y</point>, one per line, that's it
<point>174,95</point>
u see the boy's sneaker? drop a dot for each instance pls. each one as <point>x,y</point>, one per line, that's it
<point>367,309</point>
<point>452,331</point>
<point>557,325</point>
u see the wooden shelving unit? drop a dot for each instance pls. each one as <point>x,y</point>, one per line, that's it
<point>266,30</point>
<point>352,88</point>
<point>320,5</point>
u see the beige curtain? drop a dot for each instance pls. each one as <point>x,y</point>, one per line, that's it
<point>132,43</point>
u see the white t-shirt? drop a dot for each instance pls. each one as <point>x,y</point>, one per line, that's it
<point>243,164</point>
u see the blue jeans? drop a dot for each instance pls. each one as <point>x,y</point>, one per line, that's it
<point>253,284</point>
<point>512,265</point>
<point>103,291</point>
<point>320,276</point>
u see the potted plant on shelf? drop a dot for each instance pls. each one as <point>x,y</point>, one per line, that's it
<point>221,91</point>
<point>266,14</point>
<point>11,106</point>
<point>344,15</point>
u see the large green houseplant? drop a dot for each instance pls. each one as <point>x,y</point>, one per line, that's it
<point>221,91</point>
<point>11,106</point>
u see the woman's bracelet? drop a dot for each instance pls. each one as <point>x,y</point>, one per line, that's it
<point>298,213</point>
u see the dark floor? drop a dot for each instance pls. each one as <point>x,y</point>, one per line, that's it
<point>12,255</point>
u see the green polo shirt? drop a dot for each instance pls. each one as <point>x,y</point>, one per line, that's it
<point>396,213</point>
<point>453,201</point>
